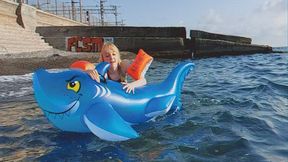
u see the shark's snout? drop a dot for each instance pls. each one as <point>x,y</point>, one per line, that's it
<point>51,93</point>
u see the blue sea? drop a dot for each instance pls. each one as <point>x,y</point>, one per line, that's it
<point>235,108</point>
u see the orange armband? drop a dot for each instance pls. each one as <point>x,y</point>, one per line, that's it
<point>83,65</point>
<point>140,65</point>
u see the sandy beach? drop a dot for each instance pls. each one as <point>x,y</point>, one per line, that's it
<point>23,63</point>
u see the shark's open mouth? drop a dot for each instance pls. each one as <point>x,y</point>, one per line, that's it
<point>74,106</point>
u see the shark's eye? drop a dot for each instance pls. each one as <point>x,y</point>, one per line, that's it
<point>74,86</point>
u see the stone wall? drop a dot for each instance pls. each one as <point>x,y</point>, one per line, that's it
<point>205,44</point>
<point>215,36</point>
<point>111,31</point>
<point>151,39</point>
<point>129,43</point>
<point>159,41</point>
<point>211,48</point>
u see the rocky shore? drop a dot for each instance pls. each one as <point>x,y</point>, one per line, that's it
<point>23,63</point>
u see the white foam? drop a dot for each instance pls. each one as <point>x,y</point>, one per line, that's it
<point>15,78</point>
<point>22,92</point>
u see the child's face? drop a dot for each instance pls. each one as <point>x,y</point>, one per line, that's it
<point>109,55</point>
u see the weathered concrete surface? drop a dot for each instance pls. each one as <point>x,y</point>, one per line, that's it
<point>29,17</point>
<point>15,39</point>
<point>7,12</point>
<point>48,19</point>
<point>149,43</point>
<point>131,43</point>
<point>126,38</point>
<point>214,36</point>
<point>211,48</point>
<point>17,27</point>
<point>111,31</point>
<point>170,54</point>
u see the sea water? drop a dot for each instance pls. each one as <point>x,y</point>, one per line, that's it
<point>235,108</point>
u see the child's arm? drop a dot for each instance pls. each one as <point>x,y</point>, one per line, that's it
<point>131,86</point>
<point>137,83</point>
<point>93,74</point>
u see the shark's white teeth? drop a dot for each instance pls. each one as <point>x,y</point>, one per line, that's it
<point>71,104</point>
<point>75,107</point>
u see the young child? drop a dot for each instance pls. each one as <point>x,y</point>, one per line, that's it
<point>118,68</point>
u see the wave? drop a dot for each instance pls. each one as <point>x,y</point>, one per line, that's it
<point>282,49</point>
<point>274,87</point>
<point>13,87</point>
<point>15,78</point>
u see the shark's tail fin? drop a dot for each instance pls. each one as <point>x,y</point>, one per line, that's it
<point>175,81</point>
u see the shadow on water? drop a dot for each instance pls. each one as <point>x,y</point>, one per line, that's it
<point>82,147</point>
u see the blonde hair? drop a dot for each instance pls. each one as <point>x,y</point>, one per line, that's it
<point>113,47</point>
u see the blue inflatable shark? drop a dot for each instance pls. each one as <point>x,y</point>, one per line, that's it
<point>73,102</point>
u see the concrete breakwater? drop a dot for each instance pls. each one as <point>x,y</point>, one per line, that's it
<point>155,40</point>
<point>204,44</point>
<point>164,42</point>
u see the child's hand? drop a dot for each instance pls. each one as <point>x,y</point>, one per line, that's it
<point>129,87</point>
<point>94,75</point>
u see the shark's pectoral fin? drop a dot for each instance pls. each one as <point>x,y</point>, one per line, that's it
<point>158,106</point>
<point>107,124</point>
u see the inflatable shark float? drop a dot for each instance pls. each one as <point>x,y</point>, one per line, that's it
<point>73,102</point>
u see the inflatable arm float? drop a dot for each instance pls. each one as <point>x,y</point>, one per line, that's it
<point>73,102</point>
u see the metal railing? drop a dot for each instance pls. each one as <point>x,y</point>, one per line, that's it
<point>92,14</point>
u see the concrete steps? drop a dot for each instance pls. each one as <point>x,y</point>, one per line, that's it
<point>15,39</point>
<point>27,39</point>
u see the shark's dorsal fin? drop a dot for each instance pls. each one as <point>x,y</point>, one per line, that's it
<point>102,68</point>
<point>159,105</point>
<point>107,124</point>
